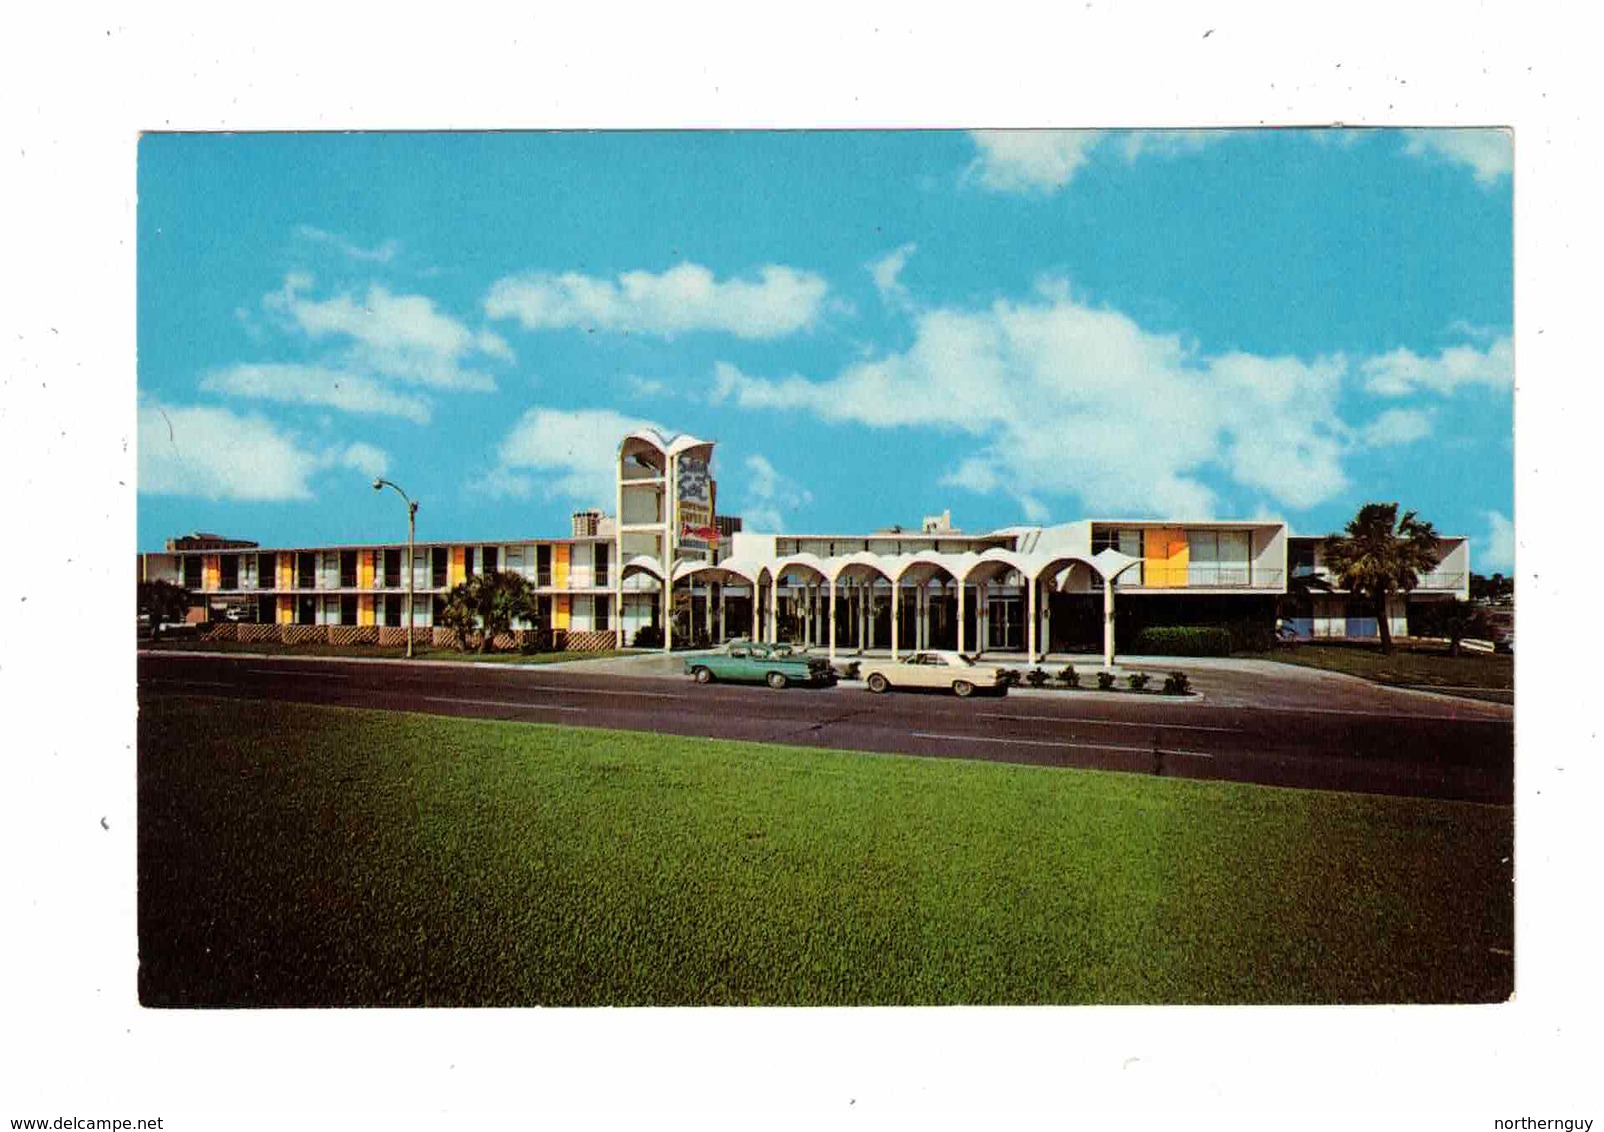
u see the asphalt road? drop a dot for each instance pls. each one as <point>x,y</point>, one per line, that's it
<point>1425,747</point>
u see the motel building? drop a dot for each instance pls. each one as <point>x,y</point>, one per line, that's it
<point>1029,591</point>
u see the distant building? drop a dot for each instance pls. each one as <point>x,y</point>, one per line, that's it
<point>202,540</point>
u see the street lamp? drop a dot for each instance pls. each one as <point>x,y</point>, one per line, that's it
<point>412,523</point>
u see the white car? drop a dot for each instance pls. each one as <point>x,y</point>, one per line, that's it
<point>934,670</point>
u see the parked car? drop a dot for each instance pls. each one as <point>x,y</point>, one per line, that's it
<point>935,670</point>
<point>755,663</point>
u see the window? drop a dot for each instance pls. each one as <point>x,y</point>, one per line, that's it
<point>228,572</point>
<point>392,611</point>
<point>392,569</point>
<point>603,550</point>
<point>305,573</point>
<point>601,622</point>
<point>1217,558</point>
<point>306,610</point>
<point>470,557</point>
<point>265,566</point>
<point>347,573</point>
<point>192,572</point>
<point>491,559</point>
<point>348,609</point>
<point>543,566</point>
<point>441,561</point>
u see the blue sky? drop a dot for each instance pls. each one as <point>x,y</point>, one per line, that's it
<point>1032,326</point>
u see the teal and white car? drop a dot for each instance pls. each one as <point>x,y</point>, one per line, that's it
<point>751,662</point>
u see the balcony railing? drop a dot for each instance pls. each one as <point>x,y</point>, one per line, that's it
<point>1441,580</point>
<point>1207,577</point>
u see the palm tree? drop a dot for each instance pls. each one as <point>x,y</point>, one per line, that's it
<point>1381,555</point>
<point>487,604</point>
<point>163,601</point>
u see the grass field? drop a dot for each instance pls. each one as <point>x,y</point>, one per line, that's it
<point>1413,666</point>
<point>421,652</point>
<point>327,856</point>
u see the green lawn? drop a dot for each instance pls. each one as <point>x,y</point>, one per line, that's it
<point>1417,666</point>
<point>319,856</point>
<point>420,652</point>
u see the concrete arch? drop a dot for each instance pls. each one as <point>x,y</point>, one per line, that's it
<point>642,564</point>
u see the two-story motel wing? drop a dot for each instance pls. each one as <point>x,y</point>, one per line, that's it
<point>1020,589</point>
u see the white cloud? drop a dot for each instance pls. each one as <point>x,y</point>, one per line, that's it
<point>1024,161</point>
<point>384,253</point>
<point>1167,143</point>
<point>685,298</point>
<point>1397,426</point>
<point>1496,554</point>
<point>1059,397</point>
<point>1403,371</point>
<point>401,337</point>
<point>317,385</point>
<point>642,388</point>
<point>563,453</point>
<point>212,453</point>
<point>1043,161</point>
<point>365,458</point>
<point>770,496</point>
<point>1488,153</point>
<point>887,272</point>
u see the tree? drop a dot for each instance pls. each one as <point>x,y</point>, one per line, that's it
<point>1455,620</point>
<point>485,605</point>
<point>1381,555</point>
<point>163,601</point>
<point>1496,588</point>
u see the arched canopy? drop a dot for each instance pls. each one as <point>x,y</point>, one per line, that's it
<point>671,445</point>
<point>809,562</point>
<point>747,572</point>
<point>642,564</point>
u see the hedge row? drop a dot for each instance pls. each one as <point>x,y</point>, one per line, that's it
<point>1183,640</point>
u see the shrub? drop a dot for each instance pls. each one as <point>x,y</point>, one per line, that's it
<point>1177,684</point>
<point>1183,640</point>
<point>1035,678</point>
<point>1105,681</point>
<point>1251,636</point>
<point>1069,676</point>
<point>1137,680</point>
<point>649,637</point>
<point>1010,677</point>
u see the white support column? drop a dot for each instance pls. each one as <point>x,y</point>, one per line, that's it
<point>960,615</point>
<point>707,610</point>
<point>724,612</point>
<point>668,614</point>
<point>865,593</point>
<point>1031,627</point>
<point>832,620</point>
<point>982,617</point>
<point>895,616</point>
<point>774,610</point>
<point>1108,623</point>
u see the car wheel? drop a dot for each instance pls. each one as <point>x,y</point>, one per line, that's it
<point>777,680</point>
<point>963,689</point>
<point>878,683</point>
<point>703,674</point>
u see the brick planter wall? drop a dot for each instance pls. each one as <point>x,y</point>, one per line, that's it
<point>256,632</point>
<point>303,634</point>
<point>219,631</point>
<point>394,636</point>
<point>353,635</point>
<point>442,639</point>
<point>592,640</point>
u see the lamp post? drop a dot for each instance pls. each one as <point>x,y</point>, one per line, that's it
<point>412,523</point>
